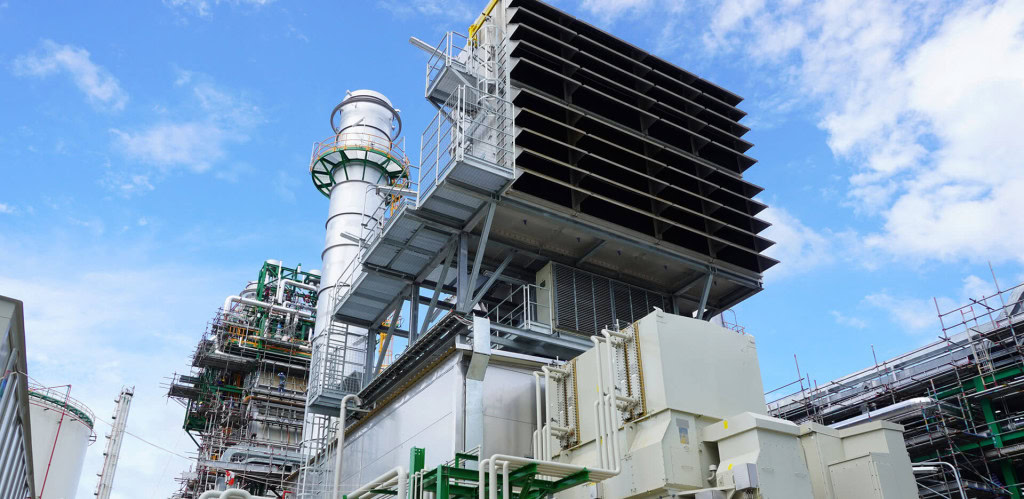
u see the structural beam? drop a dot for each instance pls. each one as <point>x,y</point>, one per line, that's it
<point>590,252</point>
<point>704,295</point>
<point>414,313</point>
<point>490,282</point>
<point>387,340</point>
<point>429,317</point>
<point>478,259</point>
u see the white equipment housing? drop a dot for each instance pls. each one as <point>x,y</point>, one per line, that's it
<point>688,399</point>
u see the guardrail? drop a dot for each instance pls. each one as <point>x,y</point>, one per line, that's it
<point>450,50</point>
<point>527,307</point>
<point>471,123</point>
<point>369,142</point>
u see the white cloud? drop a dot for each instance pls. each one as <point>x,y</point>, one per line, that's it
<point>193,144</point>
<point>203,8</point>
<point>976,288</point>
<point>102,317</point>
<point>221,118</point>
<point>920,97</point>
<point>920,314</point>
<point>609,9</point>
<point>7,209</point>
<point>848,321</point>
<point>798,247</point>
<point>914,314</point>
<point>101,87</point>
<point>454,10</point>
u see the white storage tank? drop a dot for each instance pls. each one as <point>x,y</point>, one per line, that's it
<point>62,429</point>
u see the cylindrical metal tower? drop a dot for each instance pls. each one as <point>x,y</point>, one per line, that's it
<point>113,451</point>
<point>350,168</point>
<point>61,432</point>
<point>360,156</point>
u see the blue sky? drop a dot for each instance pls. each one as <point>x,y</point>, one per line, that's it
<point>152,155</point>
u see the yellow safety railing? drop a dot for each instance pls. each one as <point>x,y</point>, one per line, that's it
<point>480,20</point>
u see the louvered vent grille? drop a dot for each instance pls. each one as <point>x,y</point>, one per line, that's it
<point>586,303</point>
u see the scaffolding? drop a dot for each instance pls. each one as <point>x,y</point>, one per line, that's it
<point>960,398</point>
<point>245,393</point>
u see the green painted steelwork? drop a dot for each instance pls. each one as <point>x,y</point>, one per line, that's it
<point>455,481</point>
<point>1002,374</point>
<point>998,438</point>
<point>60,403</point>
<point>324,168</point>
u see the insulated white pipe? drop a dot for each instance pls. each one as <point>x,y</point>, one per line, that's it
<point>909,405</point>
<point>596,340</point>
<point>546,467</point>
<point>340,439</point>
<point>612,390</point>
<point>504,480</point>
<point>257,303</point>
<point>297,284</point>
<point>481,478</point>
<point>545,434</point>
<point>956,474</point>
<point>600,439</point>
<point>235,494</point>
<point>398,473</point>
<point>210,494</point>
<point>493,492</point>
<point>506,489</point>
<point>540,424</point>
<point>614,417</point>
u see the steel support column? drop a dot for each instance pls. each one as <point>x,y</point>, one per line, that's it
<point>461,268</point>
<point>387,338</point>
<point>702,308</point>
<point>414,313</point>
<point>427,319</point>
<point>490,281</point>
<point>478,258</point>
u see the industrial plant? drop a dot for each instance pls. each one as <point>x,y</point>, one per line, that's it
<point>527,302</point>
<point>958,398</point>
<point>524,307</point>
<point>44,430</point>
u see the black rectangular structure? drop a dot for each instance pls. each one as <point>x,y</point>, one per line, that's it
<point>608,130</point>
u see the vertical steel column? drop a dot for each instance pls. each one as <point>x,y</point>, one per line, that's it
<point>414,314</point>
<point>462,290</point>
<point>1005,465</point>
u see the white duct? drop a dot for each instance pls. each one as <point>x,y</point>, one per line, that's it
<point>340,449</point>
<point>256,303</point>
<point>226,494</point>
<point>899,408</point>
<point>295,284</point>
<point>396,476</point>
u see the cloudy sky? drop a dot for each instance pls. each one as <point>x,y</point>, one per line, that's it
<point>152,155</point>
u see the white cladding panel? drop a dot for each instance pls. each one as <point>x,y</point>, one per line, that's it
<point>700,368</point>
<point>424,416</point>
<point>443,413</point>
<point>68,455</point>
<point>509,410</point>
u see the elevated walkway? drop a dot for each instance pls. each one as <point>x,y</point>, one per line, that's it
<point>466,163</point>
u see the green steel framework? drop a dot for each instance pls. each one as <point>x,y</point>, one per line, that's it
<point>977,420</point>
<point>455,480</point>
<point>322,169</point>
<point>260,336</point>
